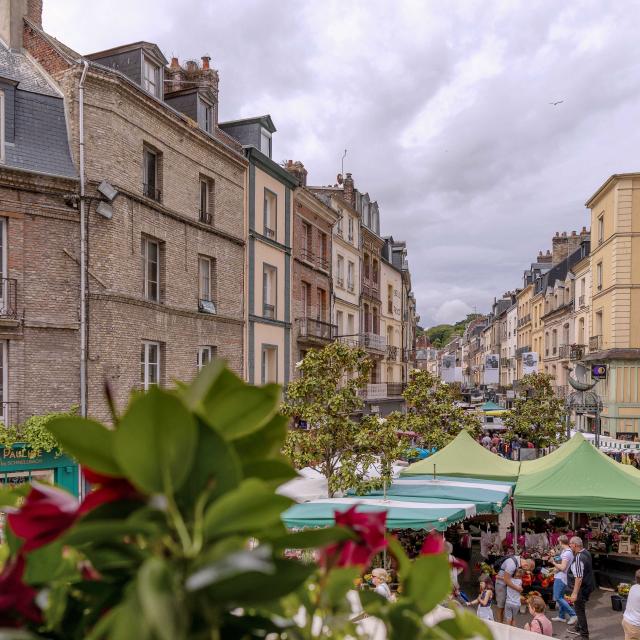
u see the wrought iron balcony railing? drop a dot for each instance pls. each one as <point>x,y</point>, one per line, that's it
<point>313,328</point>
<point>8,298</point>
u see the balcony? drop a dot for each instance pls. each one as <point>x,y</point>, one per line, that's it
<point>595,343</point>
<point>521,350</point>
<point>524,320</point>
<point>504,362</point>
<point>8,414</point>
<point>269,233</point>
<point>312,329</point>
<point>269,311</point>
<point>577,351</point>
<point>340,282</point>
<point>371,341</point>
<point>8,299</point>
<point>581,302</point>
<point>204,217</point>
<point>565,351</point>
<point>392,352</point>
<point>371,289</point>
<point>322,262</point>
<point>395,389</point>
<point>351,287</point>
<point>376,391</point>
<point>150,191</point>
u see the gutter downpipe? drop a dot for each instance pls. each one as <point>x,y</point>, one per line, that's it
<point>83,252</point>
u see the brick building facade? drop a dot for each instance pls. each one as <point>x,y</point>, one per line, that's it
<point>165,269</point>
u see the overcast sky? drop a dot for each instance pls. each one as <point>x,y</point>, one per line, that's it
<point>443,107</point>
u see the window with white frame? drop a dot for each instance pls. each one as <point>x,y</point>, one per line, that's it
<point>265,142</point>
<point>205,355</point>
<point>340,271</point>
<point>206,283</point>
<point>151,268</point>
<point>599,275</point>
<point>340,321</point>
<point>2,131</point>
<point>350,230</point>
<point>601,229</point>
<point>269,364</point>
<point>207,116</point>
<point>269,292</point>
<point>149,364</point>
<point>151,78</point>
<point>151,174</point>
<point>4,391</point>
<point>270,214</point>
<point>339,225</point>
<point>350,275</point>
<point>206,193</point>
<point>306,299</point>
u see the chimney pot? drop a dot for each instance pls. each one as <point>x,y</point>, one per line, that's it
<point>192,65</point>
<point>205,61</point>
<point>573,233</point>
<point>175,64</point>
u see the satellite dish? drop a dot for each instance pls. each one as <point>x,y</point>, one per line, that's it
<point>339,178</point>
<point>581,386</point>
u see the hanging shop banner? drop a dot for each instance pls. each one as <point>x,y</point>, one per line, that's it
<point>448,372</point>
<point>492,368</point>
<point>529,362</point>
<point>457,375</point>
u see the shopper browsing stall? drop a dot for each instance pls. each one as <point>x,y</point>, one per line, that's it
<point>562,563</point>
<point>504,579</point>
<point>583,584</point>
<point>631,617</point>
<point>512,602</point>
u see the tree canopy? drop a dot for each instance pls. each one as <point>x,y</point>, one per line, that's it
<point>441,334</point>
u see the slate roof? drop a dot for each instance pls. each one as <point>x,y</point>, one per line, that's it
<point>19,68</point>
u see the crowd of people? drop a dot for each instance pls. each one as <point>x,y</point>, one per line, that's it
<point>502,447</point>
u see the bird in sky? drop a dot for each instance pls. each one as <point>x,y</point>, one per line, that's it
<point>555,104</point>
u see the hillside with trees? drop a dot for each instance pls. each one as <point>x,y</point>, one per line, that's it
<point>441,334</point>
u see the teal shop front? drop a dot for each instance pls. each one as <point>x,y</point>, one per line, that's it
<point>19,464</point>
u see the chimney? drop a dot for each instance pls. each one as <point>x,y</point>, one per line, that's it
<point>34,12</point>
<point>297,169</point>
<point>348,192</point>
<point>191,75</point>
<point>205,62</point>
<point>12,13</point>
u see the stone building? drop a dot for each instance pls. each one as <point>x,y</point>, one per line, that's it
<point>313,223</point>
<point>270,218</point>
<point>165,236</point>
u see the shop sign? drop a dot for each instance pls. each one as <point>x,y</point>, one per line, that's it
<point>20,454</point>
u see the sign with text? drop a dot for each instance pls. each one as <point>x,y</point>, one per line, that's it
<point>599,371</point>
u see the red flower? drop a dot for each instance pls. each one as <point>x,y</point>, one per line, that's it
<point>109,489</point>
<point>433,544</point>
<point>17,600</point>
<point>370,538</point>
<point>46,513</point>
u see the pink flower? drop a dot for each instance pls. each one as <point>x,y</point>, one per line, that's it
<point>109,489</point>
<point>46,514</point>
<point>369,529</point>
<point>433,544</point>
<point>17,600</point>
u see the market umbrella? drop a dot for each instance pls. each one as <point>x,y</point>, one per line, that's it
<point>407,513</point>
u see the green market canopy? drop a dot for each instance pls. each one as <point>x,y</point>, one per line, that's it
<point>491,406</point>
<point>578,478</point>
<point>489,496</point>
<point>466,458</point>
<point>405,513</point>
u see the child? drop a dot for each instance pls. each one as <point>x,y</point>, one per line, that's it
<point>484,598</point>
<point>512,604</point>
<point>539,622</point>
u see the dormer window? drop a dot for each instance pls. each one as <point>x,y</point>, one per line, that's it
<point>151,78</point>
<point>206,116</point>
<point>265,142</point>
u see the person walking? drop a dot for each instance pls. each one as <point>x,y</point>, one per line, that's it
<point>631,617</point>
<point>566,612</point>
<point>583,584</point>
<point>504,579</point>
<point>485,596</point>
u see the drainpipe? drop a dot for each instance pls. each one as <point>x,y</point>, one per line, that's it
<point>83,253</point>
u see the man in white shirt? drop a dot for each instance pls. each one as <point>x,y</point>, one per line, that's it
<point>631,617</point>
<point>504,580</point>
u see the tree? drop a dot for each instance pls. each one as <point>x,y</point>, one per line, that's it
<point>432,411</point>
<point>537,416</point>
<point>333,443</point>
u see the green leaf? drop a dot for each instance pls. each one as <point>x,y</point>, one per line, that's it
<point>312,538</point>
<point>106,531</point>
<point>272,471</point>
<point>237,409</point>
<point>215,467</point>
<point>47,564</point>
<point>161,605</point>
<point>17,634</point>
<point>194,394</point>
<point>266,443</point>
<point>429,581</point>
<point>155,442</point>
<point>90,442</point>
<point>465,625</point>
<point>127,623</point>
<point>405,623</point>
<point>396,550</point>
<point>257,561</point>
<point>114,558</point>
<point>338,583</point>
<point>249,509</point>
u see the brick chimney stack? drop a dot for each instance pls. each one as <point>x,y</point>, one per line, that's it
<point>565,244</point>
<point>34,12</point>
<point>297,169</point>
<point>348,192</point>
<point>191,75</point>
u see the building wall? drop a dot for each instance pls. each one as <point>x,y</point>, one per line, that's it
<point>391,324</point>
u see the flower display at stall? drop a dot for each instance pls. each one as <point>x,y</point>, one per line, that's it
<point>623,589</point>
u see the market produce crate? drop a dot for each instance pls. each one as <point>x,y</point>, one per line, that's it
<point>618,603</point>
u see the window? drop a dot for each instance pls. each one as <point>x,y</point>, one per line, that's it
<point>322,305</point>
<point>269,364</point>
<point>389,298</point>
<point>599,275</point>
<point>375,272</point>
<point>205,356</point>
<point>207,116</point>
<point>340,322</point>
<point>269,281</point>
<point>151,78</point>
<point>339,226</point>
<point>2,131</point>
<point>151,177</point>
<point>350,230</point>
<point>601,228</point>
<point>351,324</point>
<point>366,266</point>
<point>151,268</point>
<point>351,267</point>
<point>340,271</point>
<point>206,284</point>
<point>265,142</point>
<point>324,251</point>
<point>581,331</point>
<point>306,299</point>
<point>599,323</point>
<point>307,242</point>
<point>554,341</point>
<point>149,364</point>
<point>270,214</point>
<point>207,189</point>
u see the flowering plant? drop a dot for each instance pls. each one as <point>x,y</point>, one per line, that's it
<point>182,537</point>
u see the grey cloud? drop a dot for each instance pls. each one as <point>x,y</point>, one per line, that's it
<point>491,170</point>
